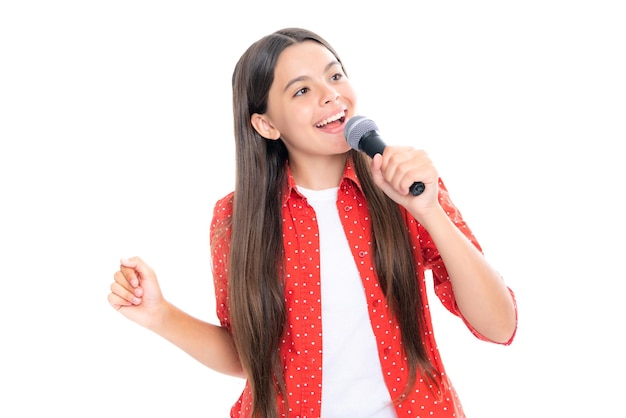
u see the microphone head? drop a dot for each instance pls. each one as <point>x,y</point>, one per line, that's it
<point>355,128</point>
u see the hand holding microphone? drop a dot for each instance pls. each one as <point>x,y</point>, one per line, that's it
<point>362,135</point>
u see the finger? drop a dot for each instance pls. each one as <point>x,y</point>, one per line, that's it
<point>141,267</point>
<point>394,170</point>
<point>123,296</point>
<point>117,302</point>
<point>138,266</point>
<point>126,277</point>
<point>407,174</point>
<point>409,167</point>
<point>129,262</point>
<point>129,267</point>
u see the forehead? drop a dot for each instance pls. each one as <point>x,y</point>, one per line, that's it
<point>301,59</point>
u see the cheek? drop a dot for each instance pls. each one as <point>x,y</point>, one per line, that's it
<point>298,116</point>
<point>348,93</point>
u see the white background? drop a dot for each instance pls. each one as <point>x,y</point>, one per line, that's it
<point>116,140</point>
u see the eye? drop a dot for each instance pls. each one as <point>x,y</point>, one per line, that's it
<point>301,91</point>
<point>336,76</point>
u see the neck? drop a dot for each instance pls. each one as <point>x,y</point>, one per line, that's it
<point>318,174</point>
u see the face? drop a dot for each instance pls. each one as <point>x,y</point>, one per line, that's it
<point>309,102</point>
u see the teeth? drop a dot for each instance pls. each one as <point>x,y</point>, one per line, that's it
<point>331,119</point>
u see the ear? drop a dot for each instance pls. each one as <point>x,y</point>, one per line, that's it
<point>264,127</point>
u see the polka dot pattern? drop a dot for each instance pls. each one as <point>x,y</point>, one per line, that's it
<point>301,345</point>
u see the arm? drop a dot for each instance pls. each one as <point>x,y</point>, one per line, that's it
<point>136,294</point>
<point>481,295</point>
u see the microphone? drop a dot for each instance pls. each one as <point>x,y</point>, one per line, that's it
<point>362,135</point>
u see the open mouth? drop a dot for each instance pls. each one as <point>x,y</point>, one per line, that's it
<point>334,120</point>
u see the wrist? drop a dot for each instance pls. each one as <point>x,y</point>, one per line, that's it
<point>160,317</point>
<point>431,217</point>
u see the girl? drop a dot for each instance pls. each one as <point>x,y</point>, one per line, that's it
<point>319,257</point>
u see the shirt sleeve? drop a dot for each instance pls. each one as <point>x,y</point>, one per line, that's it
<point>220,245</point>
<point>432,258</point>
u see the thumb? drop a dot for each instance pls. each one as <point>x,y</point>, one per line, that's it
<point>377,162</point>
<point>377,174</point>
<point>138,265</point>
<point>129,262</point>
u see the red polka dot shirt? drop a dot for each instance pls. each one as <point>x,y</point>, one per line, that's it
<point>301,346</point>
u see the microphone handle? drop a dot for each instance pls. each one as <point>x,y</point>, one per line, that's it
<point>371,143</point>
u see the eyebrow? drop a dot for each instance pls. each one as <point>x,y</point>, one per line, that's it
<point>303,77</point>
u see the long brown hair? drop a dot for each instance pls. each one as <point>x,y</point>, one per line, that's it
<point>257,300</point>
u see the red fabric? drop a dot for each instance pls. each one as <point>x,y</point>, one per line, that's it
<point>301,347</point>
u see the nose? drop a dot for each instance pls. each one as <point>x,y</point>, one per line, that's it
<point>329,94</point>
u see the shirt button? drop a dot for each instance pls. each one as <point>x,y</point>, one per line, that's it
<point>387,351</point>
<point>376,303</point>
<point>347,208</point>
<point>362,254</point>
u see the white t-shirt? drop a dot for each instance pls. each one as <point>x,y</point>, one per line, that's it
<point>352,379</point>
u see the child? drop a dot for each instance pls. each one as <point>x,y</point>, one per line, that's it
<point>319,257</point>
